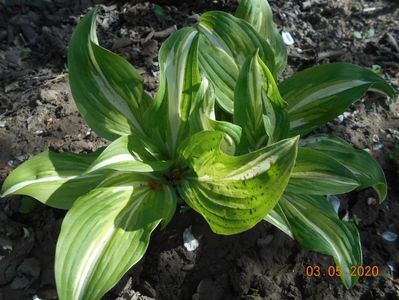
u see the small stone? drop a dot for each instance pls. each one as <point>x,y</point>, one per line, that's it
<point>371,201</point>
<point>389,236</point>
<point>375,138</point>
<point>378,147</point>
<point>190,242</point>
<point>3,124</point>
<point>263,242</point>
<point>30,267</point>
<point>287,38</point>
<point>335,202</point>
<point>188,267</point>
<point>20,283</point>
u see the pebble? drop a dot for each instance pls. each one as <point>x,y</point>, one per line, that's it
<point>378,147</point>
<point>389,236</point>
<point>20,283</point>
<point>375,138</point>
<point>371,201</point>
<point>287,38</point>
<point>3,124</point>
<point>262,242</point>
<point>335,202</point>
<point>190,242</point>
<point>30,267</point>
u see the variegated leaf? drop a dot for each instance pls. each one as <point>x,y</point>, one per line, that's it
<point>259,14</point>
<point>258,107</point>
<point>108,91</point>
<point>179,82</point>
<point>233,193</point>
<point>106,232</point>
<point>312,221</point>
<point>236,37</point>
<point>316,173</point>
<point>319,94</point>
<point>128,153</point>
<point>55,179</point>
<point>363,166</point>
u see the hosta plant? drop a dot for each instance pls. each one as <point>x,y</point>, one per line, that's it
<point>221,136</point>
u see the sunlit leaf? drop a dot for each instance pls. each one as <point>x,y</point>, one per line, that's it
<point>259,14</point>
<point>258,107</point>
<point>312,221</point>
<point>55,179</point>
<point>108,91</point>
<point>105,233</point>
<point>233,193</point>
<point>364,167</point>
<point>317,173</point>
<point>319,94</point>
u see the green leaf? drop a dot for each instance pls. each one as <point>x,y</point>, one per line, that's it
<point>55,179</point>
<point>259,14</point>
<point>312,221</point>
<point>108,91</point>
<point>364,167</point>
<point>179,82</point>
<point>317,173</point>
<point>105,233</point>
<point>202,116</point>
<point>221,71</point>
<point>319,94</point>
<point>233,193</point>
<point>236,37</point>
<point>127,153</point>
<point>258,106</point>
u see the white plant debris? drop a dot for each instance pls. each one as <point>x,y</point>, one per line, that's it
<point>389,236</point>
<point>371,201</point>
<point>335,202</point>
<point>287,38</point>
<point>190,242</point>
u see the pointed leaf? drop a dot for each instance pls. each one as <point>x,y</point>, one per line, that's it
<point>105,233</point>
<point>233,193</point>
<point>319,94</point>
<point>364,167</point>
<point>259,14</point>
<point>179,82</point>
<point>221,71</point>
<point>127,153</point>
<point>55,179</point>
<point>316,173</point>
<point>236,37</point>
<point>202,116</point>
<point>258,106</point>
<point>108,91</point>
<point>313,222</point>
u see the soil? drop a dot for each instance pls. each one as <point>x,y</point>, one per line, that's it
<point>37,113</point>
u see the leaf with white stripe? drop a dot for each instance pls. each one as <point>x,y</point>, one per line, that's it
<point>363,166</point>
<point>258,107</point>
<point>319,94</point>
<point>55,179</point>
<point>179,82</point>
<point>105,233</point>
<point>108,91</point>
<point>233,193</point>
<point>131,154</point>
<point>221,71</point>
<point>312,221</point>
<point>202,116</point>
<point>236,37</point>
<point>259,14</point>
<point>316,173</point>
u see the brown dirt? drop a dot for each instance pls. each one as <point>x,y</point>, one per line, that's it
<point>38,113</point>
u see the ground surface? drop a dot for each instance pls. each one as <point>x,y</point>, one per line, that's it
<point>38,113</point>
